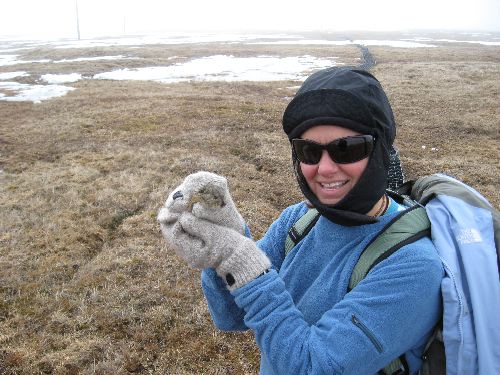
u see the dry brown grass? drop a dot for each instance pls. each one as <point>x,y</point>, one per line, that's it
<point>87,285</point>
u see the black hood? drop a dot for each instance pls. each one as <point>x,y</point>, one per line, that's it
<point>353,99</point>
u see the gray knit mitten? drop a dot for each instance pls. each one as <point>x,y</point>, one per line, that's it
<point>203,244</point>
<point>199,220</point>
<point>207,196</point>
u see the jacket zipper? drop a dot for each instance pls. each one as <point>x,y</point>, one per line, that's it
<point>368,333</point>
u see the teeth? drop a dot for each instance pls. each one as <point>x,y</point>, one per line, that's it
<point>334,185</point>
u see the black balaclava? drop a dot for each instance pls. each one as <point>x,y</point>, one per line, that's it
<point>353,99</point>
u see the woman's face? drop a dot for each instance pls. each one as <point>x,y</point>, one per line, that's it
<point>329,181</point>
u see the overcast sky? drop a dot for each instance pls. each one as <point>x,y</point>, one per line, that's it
<point>57,18</point>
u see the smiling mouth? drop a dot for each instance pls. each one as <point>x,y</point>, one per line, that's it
<point>333,185</point>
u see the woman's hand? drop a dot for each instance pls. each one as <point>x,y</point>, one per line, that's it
<point>199,220</point>
<point>203,244</point>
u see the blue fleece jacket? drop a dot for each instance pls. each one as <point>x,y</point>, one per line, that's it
<point>305,321</point>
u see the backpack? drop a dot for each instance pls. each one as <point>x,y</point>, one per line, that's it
<point>465,229</point>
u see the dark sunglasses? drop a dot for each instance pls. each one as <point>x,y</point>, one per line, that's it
<point>342,151</point>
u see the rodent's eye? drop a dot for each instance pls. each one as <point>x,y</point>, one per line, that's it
<point>178,194</point>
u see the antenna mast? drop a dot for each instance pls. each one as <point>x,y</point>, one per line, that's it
<point>77,20</point>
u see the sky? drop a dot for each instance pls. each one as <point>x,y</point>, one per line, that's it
<point>57,18</point>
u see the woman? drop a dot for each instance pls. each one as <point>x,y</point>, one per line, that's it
<point>305,320</point>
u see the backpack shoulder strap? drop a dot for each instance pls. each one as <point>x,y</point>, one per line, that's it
<point>407,227</point>
<point>300,229</point>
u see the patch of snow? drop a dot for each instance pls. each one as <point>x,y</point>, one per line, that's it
<point>485,43</point>
<point>173,38</point>
<point>32,93</point>
<point>61,78</point>
<point>306,42</point>
<point>8,60</point>
<point>10,75</point>
<point>389,43</point>
<point>393,43</point>
<point>226,68</point>
<point>118,57</point>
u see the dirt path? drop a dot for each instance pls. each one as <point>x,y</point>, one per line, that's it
<point>368,60</point>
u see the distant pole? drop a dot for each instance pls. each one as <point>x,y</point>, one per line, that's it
<point>77,20</point>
